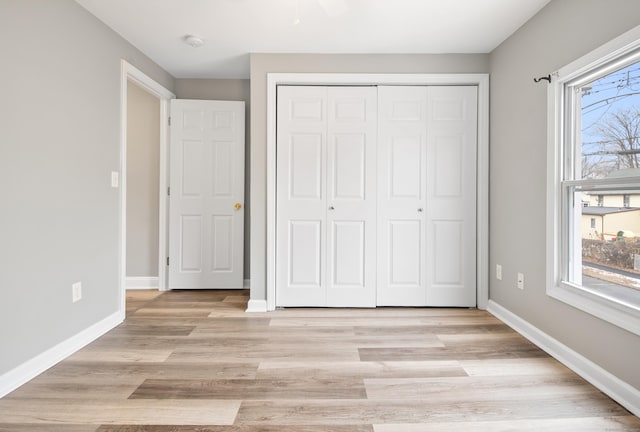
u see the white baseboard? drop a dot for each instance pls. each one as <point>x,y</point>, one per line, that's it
<point>618,390</point>
<point>139,283</point>
<point>32,368</point>
<point>246,284</point>
<point>256,306</point>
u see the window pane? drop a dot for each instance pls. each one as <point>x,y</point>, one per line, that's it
<point>604,252</point>
<point>608,125</point>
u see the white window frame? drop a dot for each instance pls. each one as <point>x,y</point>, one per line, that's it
<point>608,57</point>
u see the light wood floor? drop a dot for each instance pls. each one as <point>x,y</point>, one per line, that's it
<point>194,361</point>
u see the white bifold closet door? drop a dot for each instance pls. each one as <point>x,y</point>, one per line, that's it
<point>427,145</point>
<point>326,196</point>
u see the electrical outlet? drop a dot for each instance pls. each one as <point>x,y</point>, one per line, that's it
<point>498,272</point>
<point>76,291</point>
<point>521,281</point>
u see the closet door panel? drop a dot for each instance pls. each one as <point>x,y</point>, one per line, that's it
<point>301,228</point>
<point>351,204</point>
<point>451,195</point>
<point>401,196</point>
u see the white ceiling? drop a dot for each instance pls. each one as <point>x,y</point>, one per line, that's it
<point>234,28</point>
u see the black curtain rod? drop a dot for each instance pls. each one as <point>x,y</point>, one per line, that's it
<point>547,78</point>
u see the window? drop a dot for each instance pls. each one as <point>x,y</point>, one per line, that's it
<point>594,148</point>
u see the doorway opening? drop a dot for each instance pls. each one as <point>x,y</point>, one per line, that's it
<point>135,82</point>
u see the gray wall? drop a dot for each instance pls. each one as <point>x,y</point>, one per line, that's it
<point>143,166</point>
<point>230,90</point>
<point>261,64</point>
<point>562,32</point>
<point>59,142</point>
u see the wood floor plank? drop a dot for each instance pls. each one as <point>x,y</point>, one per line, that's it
<point>421,411</point>
<point>133,343</point>
<point>106,372</point>
<point>84,388</point>
<point>168,311</point>
<point>381,312</point>
<point>292,388</point>
<point>237,323</point>
<point>373,321</point>
<point>125,355</point>
<point>129,411</point>
<point>585,424</point>
<point>238,428</point>
<point>452,389</point>
<point>125,330</point>
<point>30,427</point>
<point>261,353</point>
<point>461,347</point>
<point>510,367</point>
<point>242,300</point>
<point>422,330</point>
<point>359,370</point>
<point>206,330</point>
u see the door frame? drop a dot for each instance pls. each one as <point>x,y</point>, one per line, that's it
<point>128,72</point>
<point>482,182</point>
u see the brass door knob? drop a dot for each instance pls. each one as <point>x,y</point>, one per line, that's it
<point>237,206</point>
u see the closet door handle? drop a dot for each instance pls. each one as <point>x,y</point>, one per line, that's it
<point>420,210</point>
<point>332,208</point>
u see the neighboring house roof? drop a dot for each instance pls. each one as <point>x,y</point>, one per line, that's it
<point>601,211</point>
<point>625,192</point>
<point>627,172</point>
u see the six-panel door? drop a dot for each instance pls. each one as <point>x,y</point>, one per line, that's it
<point>376,191</point>
<point>326,159</point>
<point>206,215</point>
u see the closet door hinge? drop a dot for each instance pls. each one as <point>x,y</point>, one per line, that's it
<point>167,260</point>
<point>169,121</point>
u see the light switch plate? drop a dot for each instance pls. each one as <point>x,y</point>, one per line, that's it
<point>76,292</point>
<point>115,179</point>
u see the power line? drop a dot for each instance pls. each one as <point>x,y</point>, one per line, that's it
<point>609,141</point>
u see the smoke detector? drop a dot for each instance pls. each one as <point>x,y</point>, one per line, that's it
<point>193,41</point>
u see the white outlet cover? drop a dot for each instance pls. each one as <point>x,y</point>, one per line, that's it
<point>115,179</point>
<point>498,272</point>
<point>76,291</point>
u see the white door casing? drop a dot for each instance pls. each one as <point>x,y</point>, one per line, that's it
<point>275,80</point>
<point>326,196</point>
<point>206,204</point>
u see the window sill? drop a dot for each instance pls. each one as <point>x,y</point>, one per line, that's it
<point>619,314</point>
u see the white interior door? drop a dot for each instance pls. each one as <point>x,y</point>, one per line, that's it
<point>402,161</point>
<point>427,196</point>
<point>326,162</point>
<point>452,114</point>
<point>206,203</point>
